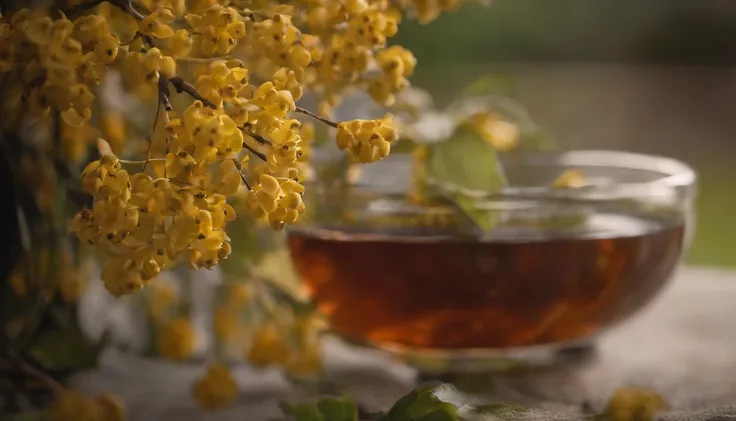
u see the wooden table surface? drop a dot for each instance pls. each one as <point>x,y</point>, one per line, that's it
<point>683,345</point>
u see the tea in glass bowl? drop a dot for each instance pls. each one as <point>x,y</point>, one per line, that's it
<point>558,267</point>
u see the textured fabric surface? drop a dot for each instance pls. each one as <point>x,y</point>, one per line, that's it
<point>683,345</point>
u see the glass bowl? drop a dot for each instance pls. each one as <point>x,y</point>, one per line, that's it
<point>559,267</point>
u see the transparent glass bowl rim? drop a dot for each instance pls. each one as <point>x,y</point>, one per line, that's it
<point>675,178</point>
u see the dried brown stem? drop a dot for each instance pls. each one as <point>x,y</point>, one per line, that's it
<point>163,94</point>
<point>37,374</point>
<point>183,86</point>
<point>255,152</point>
<point>135,37</point>
<point>127,7</point>
<point>260,139</point>
<point>81,7</point>
<point>315,116</point>
<point>242,177</point>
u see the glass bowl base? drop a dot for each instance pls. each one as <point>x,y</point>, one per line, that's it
<point>433,364</point>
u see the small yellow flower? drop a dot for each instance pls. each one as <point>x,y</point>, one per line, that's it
<point>239,295</point>
<point>176,341</point>
<point>633,404</point>
<point>163,299</point>
<point>268,347</point>
<point>307,362</point>
<point>18,283</point>
<point>70,405</point>
<point>570,179</point>
<point>225,323</point>
<point>216,389</point>
<point>112,407</point>
<point>71,286</point>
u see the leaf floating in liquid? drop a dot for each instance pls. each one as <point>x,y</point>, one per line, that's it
<point>484,218</point>
<point>466,162</point>
<point>466,167</point>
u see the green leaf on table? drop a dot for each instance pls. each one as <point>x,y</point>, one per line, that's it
<point>326,409</point>
<point>465,166</point>
<point>499,410</point>
<point>423,404</point>
<point>303,412</point>
<point>338,409</point>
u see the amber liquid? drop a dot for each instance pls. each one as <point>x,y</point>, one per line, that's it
<point>514,291</point>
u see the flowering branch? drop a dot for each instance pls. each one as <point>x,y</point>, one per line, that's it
<point>315,116</point>
<point>183,86</point>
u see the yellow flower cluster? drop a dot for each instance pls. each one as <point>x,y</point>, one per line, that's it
<point>366,140</point>
<point>70,405</point>
<point>144,223</point>
<point>332,47</point>
<point>173,205</point>
<point>294,346</point>
<point>216,389</point>
<point>279,200</point>
<point>53,63</point>
<point>428,10</point>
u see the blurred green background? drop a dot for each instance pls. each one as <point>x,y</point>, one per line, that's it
<point>657,77</point>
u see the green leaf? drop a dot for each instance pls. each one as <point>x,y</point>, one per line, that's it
<point>484,218</point>
<point>467,162</point>
<point>303,412</point>
<point>499,409</point>
<point>338,409</point>
<point>65,349</point>
<point>464,166</point>
<point>503,85</point>
<point>439,416</point>
<point>423,404</point>
<point>326,409</point>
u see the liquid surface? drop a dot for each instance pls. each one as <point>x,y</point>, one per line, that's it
<point>512,291</point>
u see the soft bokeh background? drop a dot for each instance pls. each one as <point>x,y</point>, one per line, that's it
<point>655,76</point>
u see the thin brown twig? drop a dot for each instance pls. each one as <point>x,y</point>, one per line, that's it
<point>127,7</point>
<point>163,93</point>
<point>77,8</point>
<point>183,86</point>
<point>135,37</point>
<point>315,116</point>
<point>255,152</point>
<point>260,139</point>
<point>242,177</point>
<point>127,162</point>
<point>163,100</point>
<point>38,374</point>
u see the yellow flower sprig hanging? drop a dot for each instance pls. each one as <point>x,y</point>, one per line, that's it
<point>172,205</point>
